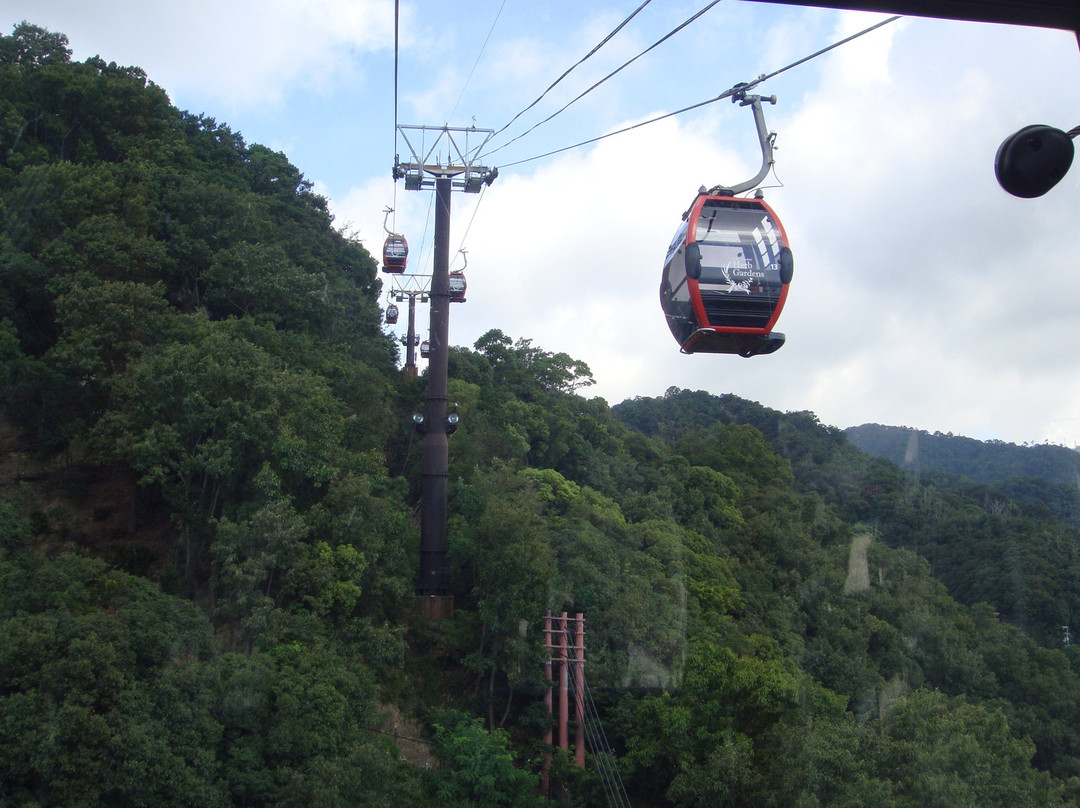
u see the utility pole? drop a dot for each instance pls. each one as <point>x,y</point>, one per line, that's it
<point>410,346</point>
<point>564,639</point>
<point>410,339</point>
<point>454,168</point>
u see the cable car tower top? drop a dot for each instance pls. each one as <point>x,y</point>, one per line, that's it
<point>462,150</point>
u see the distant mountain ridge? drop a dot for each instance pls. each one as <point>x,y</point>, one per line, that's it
<point>984,461</point>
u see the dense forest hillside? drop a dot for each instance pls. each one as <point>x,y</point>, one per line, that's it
<point>209,486</point>
<point>991,461</point>
<point>1011,544</point>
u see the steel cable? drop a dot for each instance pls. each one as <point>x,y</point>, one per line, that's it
<point>574,66</point>
<point>478,56</point>
<point>602,754</point>
<point>614,72</point>
<point>726,94</point>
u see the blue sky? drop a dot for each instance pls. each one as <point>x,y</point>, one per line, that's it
<point>923,294</point>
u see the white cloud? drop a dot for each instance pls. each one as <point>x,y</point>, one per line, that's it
<point>232,54</point>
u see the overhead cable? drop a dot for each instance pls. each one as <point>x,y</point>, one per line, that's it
<point>725,94</point>
<point>626,64</point>
<point>424,246</point>
<point>397,18</point>
<point>480,54</point>
<point>602,754</point>
<point>844,41</point>
<point>476,208</point>
<point>743,87</point>
<point>574,66</point>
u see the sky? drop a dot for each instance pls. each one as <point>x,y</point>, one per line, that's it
<point>923,294</point>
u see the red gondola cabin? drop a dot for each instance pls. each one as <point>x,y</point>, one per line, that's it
<point>726,277</point>
<point>395,253</point>
<point>457,287</point>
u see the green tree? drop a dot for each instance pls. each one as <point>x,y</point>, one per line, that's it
<point>478,766</point>
<point>503,567</point>
<point>102,701</point>
<point>34,46</point>
<point>950,752</point>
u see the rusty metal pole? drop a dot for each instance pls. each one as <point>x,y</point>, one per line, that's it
<point>434,590</point>
<point>579,688</point>
<point>564,686</point>
<point>545,782</point>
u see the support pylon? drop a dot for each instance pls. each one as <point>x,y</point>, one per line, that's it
<point>457,171</point>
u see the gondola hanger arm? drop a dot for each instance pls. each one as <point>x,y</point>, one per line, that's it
<point>765,138</point>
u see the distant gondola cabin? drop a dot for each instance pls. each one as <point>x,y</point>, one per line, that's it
<point>726,277</point>
<point>395,253</point>
<point>457,287</point>
<point>391,314</point>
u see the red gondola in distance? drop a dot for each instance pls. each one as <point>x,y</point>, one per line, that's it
<point>457,287</point>
<point>395,253</point>
<point>726,276</point>
<point>392,314</point>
